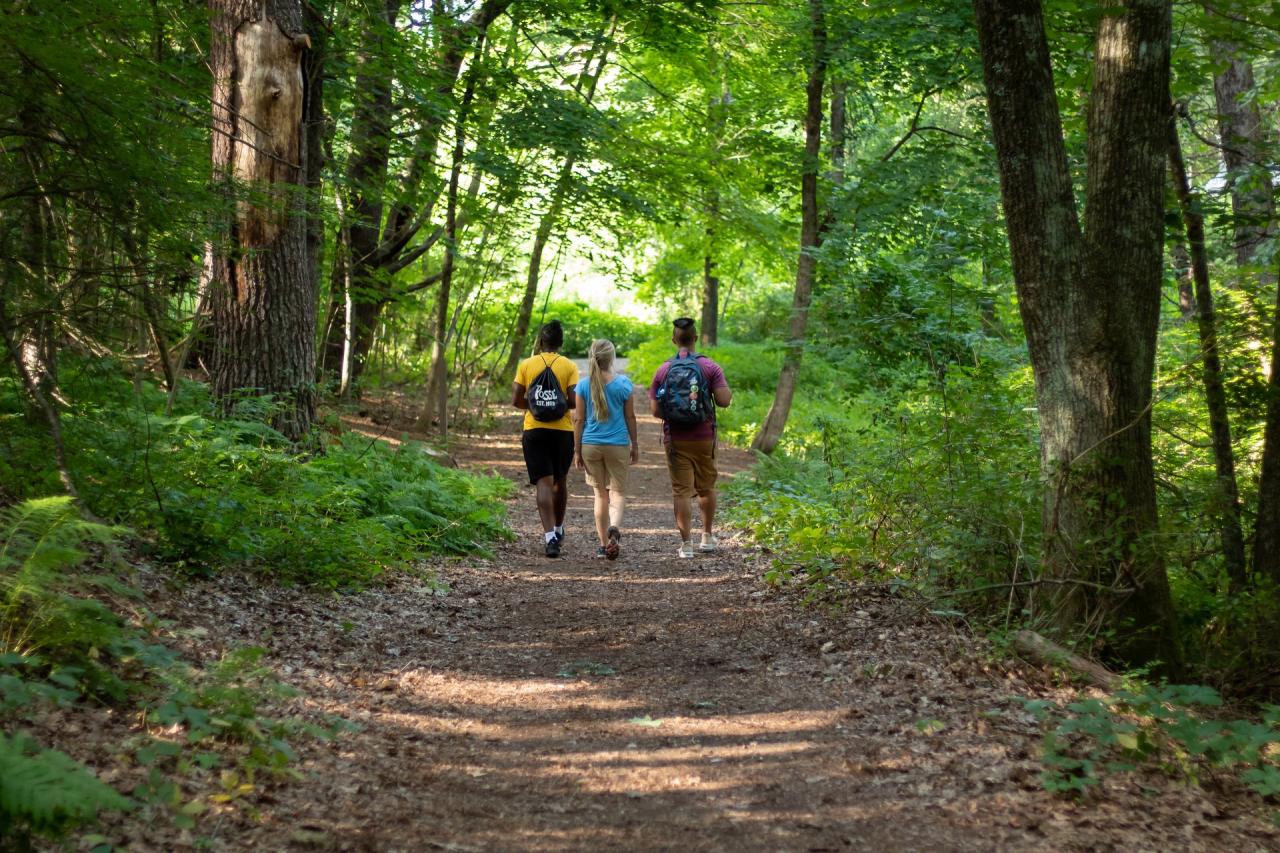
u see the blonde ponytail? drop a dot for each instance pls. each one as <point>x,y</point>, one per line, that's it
<point>600,357</point>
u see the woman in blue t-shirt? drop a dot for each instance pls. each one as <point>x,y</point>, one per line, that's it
<point>604,423</point>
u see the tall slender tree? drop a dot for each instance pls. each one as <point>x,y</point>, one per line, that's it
<point>1090,304</point>
<point>396,210</point>
<point>810,237</point>
<point>1229,525</point>
<point>585,87</point>
<point>1242,136</point>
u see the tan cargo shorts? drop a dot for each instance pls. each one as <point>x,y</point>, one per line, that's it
<point>692,465</point>
<point>607,466</point>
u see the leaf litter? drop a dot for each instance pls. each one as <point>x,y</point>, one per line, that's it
<point>693,713</point>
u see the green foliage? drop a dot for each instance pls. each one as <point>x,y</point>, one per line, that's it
<point>1158,727</point>
<point>45,793</point>
<point>87,651</point>
<point>936,487</point>
<point>39,540</point>
<point>751,370</point>
<point>213,492</point>
<point>583,324</point>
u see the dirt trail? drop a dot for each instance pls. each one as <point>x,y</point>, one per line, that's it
<point>660,704</point>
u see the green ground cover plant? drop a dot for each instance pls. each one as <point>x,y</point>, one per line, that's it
<point>1165,727</point>
<point>72,633</point>
<point>208,493</point>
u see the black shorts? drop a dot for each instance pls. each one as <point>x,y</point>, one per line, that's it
<point>547,453</point>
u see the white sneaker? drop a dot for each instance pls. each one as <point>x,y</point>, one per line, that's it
<point>710,543</point>
<point>686,551</point>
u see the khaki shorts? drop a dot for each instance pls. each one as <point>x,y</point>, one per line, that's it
<point>692,465</point>
<point>607,466</point>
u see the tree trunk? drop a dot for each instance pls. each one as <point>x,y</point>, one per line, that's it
<point>263,294</point>
<point>438,384</point>
<point>382,249</point>
<point>1244,144</point>
<point>776,421</point>
<point>1186,283</point>
<point>371,124</point>
<point>717,118</point>
<point>709,328</point>
<point>1215,396</point>
<point>1266,544</point>
<point>524,314</point>
<point>317,135</point>
<point>1090,304</point>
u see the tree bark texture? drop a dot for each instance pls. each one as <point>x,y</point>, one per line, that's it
<point>1266,542</point>
<point>1215,395</point>
<point>1090,305</point>
<point>1243,139</point>
<point>810,238</point>
<point>263,294</point>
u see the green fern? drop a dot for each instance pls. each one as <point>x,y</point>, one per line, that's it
<point>40,543</point>
<point>45,793</point>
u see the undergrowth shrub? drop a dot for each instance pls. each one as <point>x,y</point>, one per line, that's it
<point>751,370</point>
<point>64,644</point>
<point>210,492</point>
<point>45,793</point>
<point>934,486</point>
<point>1159,727</point>
<point>42,538</point>
<point>583,324</point>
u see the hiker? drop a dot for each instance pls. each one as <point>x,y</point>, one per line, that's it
<point>604,422</point>
<point>684,395</point>
<point>544,389</point>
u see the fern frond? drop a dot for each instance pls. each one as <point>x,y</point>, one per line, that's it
<point>40,544</point>
<point>45,792</point>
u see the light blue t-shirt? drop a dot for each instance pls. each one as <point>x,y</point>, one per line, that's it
<point>614,430</point>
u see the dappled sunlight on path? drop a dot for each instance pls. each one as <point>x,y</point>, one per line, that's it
<point>655,703</point>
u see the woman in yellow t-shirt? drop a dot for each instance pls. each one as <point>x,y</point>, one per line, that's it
<point>548,437</point>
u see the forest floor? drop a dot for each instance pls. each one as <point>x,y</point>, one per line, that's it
<point>655,703</point>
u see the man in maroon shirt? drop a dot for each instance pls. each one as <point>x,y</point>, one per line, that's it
<point>691,449</point>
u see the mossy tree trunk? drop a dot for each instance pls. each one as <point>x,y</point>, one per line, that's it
<point>1090,303</point>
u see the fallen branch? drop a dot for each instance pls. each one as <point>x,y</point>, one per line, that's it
<point>1035,647</point>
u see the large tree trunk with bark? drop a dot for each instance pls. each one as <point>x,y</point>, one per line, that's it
<point>810,237</point>
<point>1214,391</point>
<point>1090,304</point>
<point>262,291</point>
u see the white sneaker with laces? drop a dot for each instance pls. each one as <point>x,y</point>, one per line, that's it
<point>710,543</point>
<point>686,551</point>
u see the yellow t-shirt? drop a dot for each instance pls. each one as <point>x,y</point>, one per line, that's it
<point>564,369</point>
